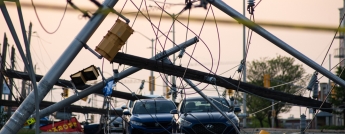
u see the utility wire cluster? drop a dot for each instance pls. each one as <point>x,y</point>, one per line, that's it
<point>189,4</point>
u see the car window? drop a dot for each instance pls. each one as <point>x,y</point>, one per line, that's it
<point>201,105</point>
<point>153,107</point>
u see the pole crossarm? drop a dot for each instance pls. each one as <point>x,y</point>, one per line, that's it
<point>227,83</point>
<point>65,83</point>
<point>70,108</point>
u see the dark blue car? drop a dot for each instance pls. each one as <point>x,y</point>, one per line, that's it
<point>197,116</point>
<point>149,116</point>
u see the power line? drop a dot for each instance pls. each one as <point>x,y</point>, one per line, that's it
<point>326,28</point>
<point>33,5</point>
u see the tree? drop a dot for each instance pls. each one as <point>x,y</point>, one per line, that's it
<point>338,93</point>
<point>281,70</point>
<point>3,118</point>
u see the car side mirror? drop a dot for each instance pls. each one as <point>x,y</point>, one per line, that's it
<point>174,111</point>
<point>237,109</point>
<point>123,107</point>
<point>126,112</point>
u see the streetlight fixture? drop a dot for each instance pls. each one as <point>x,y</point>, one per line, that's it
<point>151,78</point>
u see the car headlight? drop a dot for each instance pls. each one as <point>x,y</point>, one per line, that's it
<point>136,123</point>
<point>183,122</point>
<point>235,121</point>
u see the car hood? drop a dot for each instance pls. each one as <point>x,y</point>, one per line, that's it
<point>153,117</point>
<point>207,117</point>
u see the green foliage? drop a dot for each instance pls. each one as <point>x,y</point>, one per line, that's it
<point>255,123</point>
<point>26,131</point>
<point>3,118</point>
<point>281,70</point>
<point>333,127</point>
<point>338,96</point>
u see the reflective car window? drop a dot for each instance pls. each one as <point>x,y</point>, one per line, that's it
<point>201,105</point>
<point>153,107</point>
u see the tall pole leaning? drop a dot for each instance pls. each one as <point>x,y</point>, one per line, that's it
<point>27,107</point>
<point>3,61</point>
<point>121,75</point>
<point>244,75</point>
<point>275,40</point>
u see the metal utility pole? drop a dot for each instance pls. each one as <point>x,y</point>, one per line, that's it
<point>244,75</point>
<point>9,109</point>
<point>173,78</point>
<point>27,107</point>
<point>3,61</point>
<point>25,69</point>
<point>151,77</point>
<point>270,37</point>
<point>341,50</point>
<point>121,75</point>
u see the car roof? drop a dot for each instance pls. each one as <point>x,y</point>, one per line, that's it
<point>198,97</point>
<point>154,99</point>
<point>153,96</point>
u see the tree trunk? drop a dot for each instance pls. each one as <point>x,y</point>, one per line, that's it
<point>261,122</point>
<point>269,118</point>
<point>276,122</point>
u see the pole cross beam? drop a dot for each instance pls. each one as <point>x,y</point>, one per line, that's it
<point>66,83</point>
<point>69,108</point>
<point>220,80</point>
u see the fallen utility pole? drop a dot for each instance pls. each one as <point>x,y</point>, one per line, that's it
<point>25,110</point>
<point>227,83</point>
<point>64,83</point>
<point>275,40</point>
<point>70,108</point>
<point>120,76</point>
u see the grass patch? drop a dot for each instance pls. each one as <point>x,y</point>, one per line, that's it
<point>26,131</point>
<point>333,127</point>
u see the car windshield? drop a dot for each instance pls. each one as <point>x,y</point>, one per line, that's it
<point>153,107</point>
<point>201,105</point>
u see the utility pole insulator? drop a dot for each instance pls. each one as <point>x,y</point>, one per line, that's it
<point>312,81</point>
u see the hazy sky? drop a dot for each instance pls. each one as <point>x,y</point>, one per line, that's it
<point>47,48</point>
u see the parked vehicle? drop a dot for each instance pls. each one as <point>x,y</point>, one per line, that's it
<point>129,103</point>
<point>149,116</point>
<point>196,116</point>
<point>117,124</point>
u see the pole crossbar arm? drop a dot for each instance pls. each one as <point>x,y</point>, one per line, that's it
<point>221,81</point>
<point>121,75</point>
<point>270,37</point>
<point>25,110</point>
<point>66,83</point>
